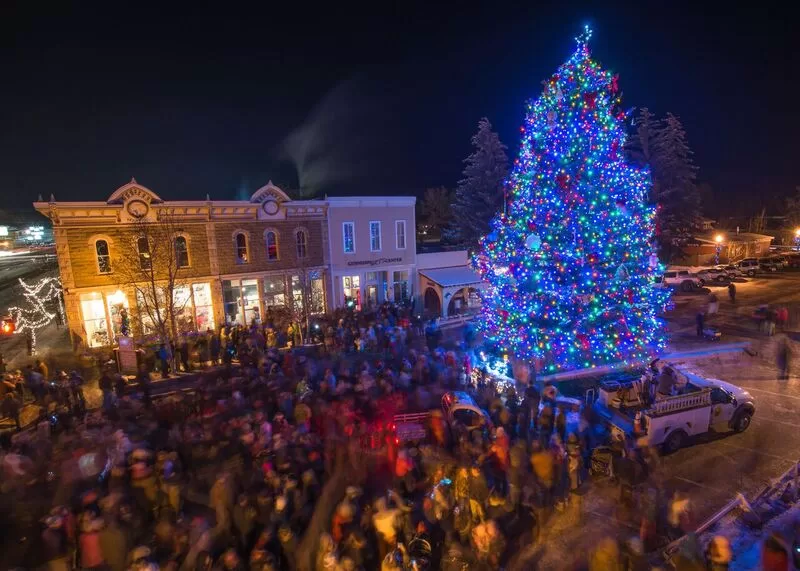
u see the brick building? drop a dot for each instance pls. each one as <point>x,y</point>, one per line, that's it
<point>237,259</point>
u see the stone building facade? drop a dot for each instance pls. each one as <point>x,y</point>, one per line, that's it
<point>238,259</point>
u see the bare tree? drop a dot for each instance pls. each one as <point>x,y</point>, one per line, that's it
<point>436,208</point>
<point>152,254</point>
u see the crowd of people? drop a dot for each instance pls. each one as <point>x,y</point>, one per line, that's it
<point>290,459</point>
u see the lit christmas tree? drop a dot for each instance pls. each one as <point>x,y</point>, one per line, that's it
<point>571,266</point>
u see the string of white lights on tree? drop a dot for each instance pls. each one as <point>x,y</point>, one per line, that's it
<point>37,295</point>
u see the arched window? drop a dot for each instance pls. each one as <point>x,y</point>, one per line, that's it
<point>103,256</point>
<point>300,238</point>
<point>241,248</point>
<point>271,238</point>
<point>181,252</point>
<point>143,246</point>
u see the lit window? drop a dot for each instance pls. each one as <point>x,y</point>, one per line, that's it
<point>143,247</point>
<point>241,248</point>
<point>103,257</point>
<point>181,252</point>
<point>375,236</point>
<point>349,237</point>
<point>400,233</point>
<point>272,245</point>
<point>300,238</point>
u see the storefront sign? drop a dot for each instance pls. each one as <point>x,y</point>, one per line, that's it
<point>377,262</point>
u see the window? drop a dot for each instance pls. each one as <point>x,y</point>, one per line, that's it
<point>375,236</point>
<point>144,253</point>
<point>349,237</point>
<point>181,252</point>
<point>317,294</point>
<point>300,237</point>
<point>274,291</point>
<point>400,280</point>
<point>271,238</point>
<point>400,233</point>
<point>94,319</point>
<point>203,307</point>
<point>103,257</point>
<point>298,285</point>
<point>241,301</point>
<point>241,248</point>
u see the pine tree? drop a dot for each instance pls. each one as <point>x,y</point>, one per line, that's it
<point>480,194</point>
<point>571,266</point>
<point>661,145</point>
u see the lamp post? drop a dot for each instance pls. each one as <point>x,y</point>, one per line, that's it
<point>718,239</point>
<point>797,239</point>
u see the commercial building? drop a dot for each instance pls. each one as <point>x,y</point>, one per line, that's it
<point>373,251</point>
<point>236,260</point>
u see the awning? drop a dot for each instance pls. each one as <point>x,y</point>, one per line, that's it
<point>451,277</point>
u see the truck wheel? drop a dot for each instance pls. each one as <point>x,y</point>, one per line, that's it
<point>720,278</point>
<point>751,273</point>
<point>742,421</point>
<point>674,441</point>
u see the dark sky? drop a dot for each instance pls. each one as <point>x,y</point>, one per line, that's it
<point>218,98</point>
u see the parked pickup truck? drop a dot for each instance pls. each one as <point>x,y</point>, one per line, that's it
<point>701,405</point>
<point>456,406</point>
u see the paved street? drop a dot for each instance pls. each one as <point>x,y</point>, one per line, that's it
<point>713,470</point>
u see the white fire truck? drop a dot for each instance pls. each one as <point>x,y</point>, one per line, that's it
<point>698,405</point>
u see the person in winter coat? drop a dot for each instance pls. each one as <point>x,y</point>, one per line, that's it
<point>114,545</point>
<point>91,552</point>
<point>386,522</point>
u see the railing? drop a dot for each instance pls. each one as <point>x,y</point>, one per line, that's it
<point>680,402</point>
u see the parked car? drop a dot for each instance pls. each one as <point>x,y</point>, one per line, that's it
<point>715,274</point>
<point>748,266</point>
<point>734,271</point>
<point>768,265</point>
<point>793,260</point>
<point>682,279</point>
<point>781,260</point>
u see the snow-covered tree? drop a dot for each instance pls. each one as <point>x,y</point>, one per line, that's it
<point>479,195</point>
<point>661,144</point>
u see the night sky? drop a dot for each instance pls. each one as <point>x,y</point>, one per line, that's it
<point>377,100</point>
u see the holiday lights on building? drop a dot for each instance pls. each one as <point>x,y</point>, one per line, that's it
<point>570,264</point>
<point>37,316</point>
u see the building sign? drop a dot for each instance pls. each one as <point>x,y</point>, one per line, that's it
<point>127,355</point>
<point>377,262</point>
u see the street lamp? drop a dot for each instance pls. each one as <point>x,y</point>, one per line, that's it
<point>718,239</point>
<point>797,239</point>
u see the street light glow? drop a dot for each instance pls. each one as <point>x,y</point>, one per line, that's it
<point>718,237</point>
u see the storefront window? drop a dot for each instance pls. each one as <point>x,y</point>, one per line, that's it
<point>231,297</point>
<point>147,311</point>
<point>297,292</point>
<point>118,311</point>
<point>400,280</point>
<point>351,288</point>
<point>274,291</point>
<point>203,308</point>
<point>94,319</point>
<point>317,301</point>
<point>182,306</point>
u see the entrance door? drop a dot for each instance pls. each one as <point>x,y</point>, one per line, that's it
<point>722,409</point>
<point>372,296</point>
